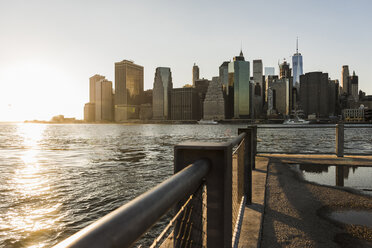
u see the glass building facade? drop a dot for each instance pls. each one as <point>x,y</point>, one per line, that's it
<point>239,79</point>
<point>161,93</point>
<point>128,83</point>
<point>297,68</point>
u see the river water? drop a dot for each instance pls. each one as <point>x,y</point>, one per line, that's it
<point>57,179</point>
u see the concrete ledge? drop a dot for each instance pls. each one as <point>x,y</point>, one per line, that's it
<point>250,234</point>
<point>320,159</point>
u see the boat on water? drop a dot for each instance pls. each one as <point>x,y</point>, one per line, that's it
<point>207,122</point>
<point>295,121</point>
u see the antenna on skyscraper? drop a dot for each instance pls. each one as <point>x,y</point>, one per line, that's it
<point>297,44</point>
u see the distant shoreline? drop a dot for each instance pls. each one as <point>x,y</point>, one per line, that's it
<point>175,122</point>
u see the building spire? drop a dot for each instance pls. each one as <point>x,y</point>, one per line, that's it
<point>241,49</point>
<point>297,44</point>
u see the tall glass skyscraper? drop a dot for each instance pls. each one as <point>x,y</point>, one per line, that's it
<point>297,67</point>
<point>161,93</point>
<point>239,78</point>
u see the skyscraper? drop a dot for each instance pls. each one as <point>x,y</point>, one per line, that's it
<point>128,83</point>
<point>103,104</point>
<point>161,93</point>
<point>239,79</point>
<point>214,103</point>
<point>258,88</point>
<point>128,90</point>
<point>345,79</point>
<point>195,74</point>
<point>318,94</point>
<point>353,81</point>
<point>185,104</point>
<point>257,71</point>
<point>228,91</point>
<point>92,87</point>
<point>297,66</point>
<point>284,70</point>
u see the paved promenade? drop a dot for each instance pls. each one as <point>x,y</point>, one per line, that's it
<point>295,210</point>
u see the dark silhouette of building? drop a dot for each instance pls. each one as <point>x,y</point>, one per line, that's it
<point>201,86</point>
<point>318,94</point>
<point>195,74</point>
<point>185,104</point>
<point>353,81</point>
<point>345,79</point>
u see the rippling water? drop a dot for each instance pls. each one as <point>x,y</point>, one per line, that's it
<point>57,179</point>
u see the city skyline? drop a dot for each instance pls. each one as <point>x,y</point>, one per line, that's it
<point>50,48</point>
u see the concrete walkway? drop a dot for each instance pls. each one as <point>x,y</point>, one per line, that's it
<point>296,211</point>
<point>251,226</point>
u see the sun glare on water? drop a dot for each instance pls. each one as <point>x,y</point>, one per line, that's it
<point>30,214</point>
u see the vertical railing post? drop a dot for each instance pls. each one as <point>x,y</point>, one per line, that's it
<point>339,140</point>
<point>254,144</point>
<point>219,187</point>
<point>247,163</point>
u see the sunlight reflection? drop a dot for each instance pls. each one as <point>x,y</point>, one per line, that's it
<point>33,210</point>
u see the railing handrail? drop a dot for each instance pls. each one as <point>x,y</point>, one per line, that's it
<point>237,140</point>
<point>122,227</point>
<point>346,125</point>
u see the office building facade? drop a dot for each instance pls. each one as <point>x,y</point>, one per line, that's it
<point>257,88</point>
<point>195,74</point>
<point>297,67</point>
<point>279,96</point>
<point>318,94</point>
<point>284,70</point>
<point>103,104</point>
<point>345,79</point>
<point>214,103</point>
<point>92,87</point>
<point>185,104</point>
<point>161,93</point>
<point>239,79</point>
<point>90,112</point>
<point>353,81</point>
<point>128,90</point>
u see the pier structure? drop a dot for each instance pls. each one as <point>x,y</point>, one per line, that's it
<point>232,195</point>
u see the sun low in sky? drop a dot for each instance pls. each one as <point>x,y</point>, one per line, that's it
<point>49,49</point>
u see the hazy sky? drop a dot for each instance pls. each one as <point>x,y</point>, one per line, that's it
<point>49,49</point>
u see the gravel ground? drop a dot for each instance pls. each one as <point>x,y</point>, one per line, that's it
<point>296,213</point>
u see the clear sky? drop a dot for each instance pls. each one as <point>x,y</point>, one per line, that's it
<point>49,49</point>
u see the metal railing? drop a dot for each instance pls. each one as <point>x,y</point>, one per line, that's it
<point>210,185</point>
<point>339,148</point>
